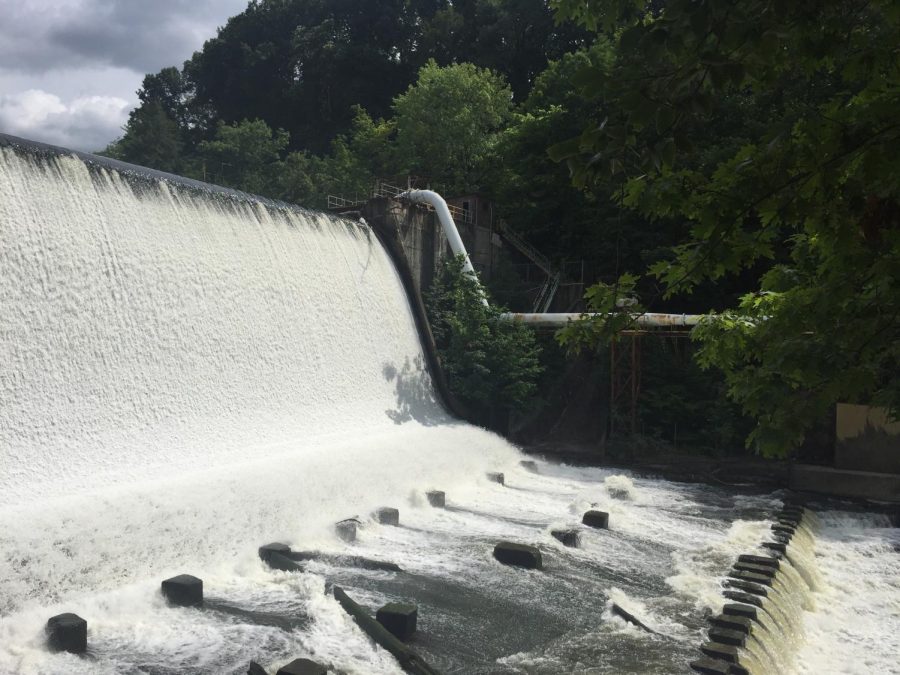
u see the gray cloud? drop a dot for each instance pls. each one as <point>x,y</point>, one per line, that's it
<point>69,68</point>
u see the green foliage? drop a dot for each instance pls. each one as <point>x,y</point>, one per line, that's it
<point>152,138</point>
<point>246,156</point>
<point>447,122</point>
<point>489,363</point>
<point>800,187</point>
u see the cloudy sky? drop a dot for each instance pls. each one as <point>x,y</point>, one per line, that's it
<point>69,69</point>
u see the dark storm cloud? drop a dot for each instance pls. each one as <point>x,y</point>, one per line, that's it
<point>142,35</point>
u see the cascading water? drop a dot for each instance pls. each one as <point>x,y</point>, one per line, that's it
<point>188,373</point>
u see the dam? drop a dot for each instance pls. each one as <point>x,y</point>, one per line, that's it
<point>189,373</point>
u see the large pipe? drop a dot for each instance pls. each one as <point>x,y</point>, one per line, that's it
<point>456,245</point>
<point>437,202</point>
<point>645,320</point>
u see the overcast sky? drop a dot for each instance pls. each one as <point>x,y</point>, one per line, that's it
<point>69,69</point>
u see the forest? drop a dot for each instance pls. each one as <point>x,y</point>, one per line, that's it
<point>733,158</point>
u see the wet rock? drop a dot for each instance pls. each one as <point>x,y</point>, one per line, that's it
<point>183,591</point>
<point>566,537</point>
<point>303,667</point>
<point>387,515</point>
<point>436,498</point>
<point>399,618</point>
<point>496,477</point>
<point>282,563</point>
<point>346,530</point>
<point>256,669</point>
<point>67,633</point>
<point>630,618</point>
<point>784,530</point>
<point>518,555</point>
<point>345,561</point>
<point>596,519</point>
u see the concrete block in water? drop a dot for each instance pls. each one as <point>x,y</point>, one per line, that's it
<point>387,515</point>
<point>784,530</point>
<point>765,570</point>
<point>496,477</point>
<point>346,530</point>
<point>266,551</point>
<point>728,637</point>
<point>747,587</point>
<point>518,555</point>
<point>737,623</point>
<point>760,579</point>
<point>717,650</point>
<point>399,618</point>
<point>738,609</point>
<point>567,537</point>
<point>529,465</point>
<point>745,598</point>
<point>303,667</point>
<point>597,519</point>
<point>777,546</point>
<point>255,669</point>
<point>765,560</point>
<point>436,498</point>
<point>184,590</point>
<point>710,666</point>
<point>67,633</point>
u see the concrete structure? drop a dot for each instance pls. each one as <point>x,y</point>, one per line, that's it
<point>865,439</point>
<point>883,487</point>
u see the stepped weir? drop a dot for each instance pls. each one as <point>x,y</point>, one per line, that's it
<point>760,628</point>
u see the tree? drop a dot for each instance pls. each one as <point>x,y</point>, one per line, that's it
<point>490,364</point>
<point>151,139</point>
<point>245,156</point>
<point>805,195</point>
<point>447,122</point>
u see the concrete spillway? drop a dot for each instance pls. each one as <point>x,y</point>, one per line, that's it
<point>187,373</point>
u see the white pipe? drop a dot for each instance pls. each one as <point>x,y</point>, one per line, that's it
<point>456,245</point>
<point>646,320</point>
<point>443,213</point>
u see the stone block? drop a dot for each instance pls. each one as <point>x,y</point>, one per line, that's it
<point>765,560</point>
<point>183,591</point>
<point>529,465</point>
<point>738,609</point>
<point>760,579</point>
<point>255,669</point>
<point>67,633</point>
<point>777,546</point>
<point>727,637</point>
<point>709,666</point>
<point>387,515</point>
<point>496,477</point>
<point>717,650</point>
<point>518,555</point>
<point>596,519</point>
<point>302,667</point>
<point>745,598</point>
<point>436,498</point>
<point>566,537</point>
<point>755,569</point>
<point>737,623</point>
<point>399,618</point>
<point>747,587</point>
<point>266,551</point>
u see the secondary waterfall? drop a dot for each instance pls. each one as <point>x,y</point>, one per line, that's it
<point>187,373</point>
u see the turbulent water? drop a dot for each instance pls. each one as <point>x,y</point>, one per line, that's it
<point>187,375</point>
